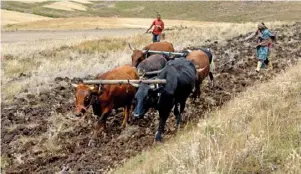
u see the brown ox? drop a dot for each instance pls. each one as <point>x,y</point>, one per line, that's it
<point>139,55</point>
<point>107,97</point>
<point>201,61</point>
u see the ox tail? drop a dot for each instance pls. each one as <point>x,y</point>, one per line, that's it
<point>212,65</point>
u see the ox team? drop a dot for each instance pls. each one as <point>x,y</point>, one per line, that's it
<point>183,74</point>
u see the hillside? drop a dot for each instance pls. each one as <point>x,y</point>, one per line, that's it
<point>200,11</point>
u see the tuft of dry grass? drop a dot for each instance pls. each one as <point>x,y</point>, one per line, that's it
<point>257,132</point>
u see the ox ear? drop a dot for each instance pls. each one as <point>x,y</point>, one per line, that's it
<point>155,88</point>
<point>152,86</point>
<point>74,85</point>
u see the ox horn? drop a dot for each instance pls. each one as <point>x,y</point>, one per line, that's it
<point>130,47</point>
<point>135,85</point>
<point>74,85</point>
<point>200,69</point>
<point>152,86</point>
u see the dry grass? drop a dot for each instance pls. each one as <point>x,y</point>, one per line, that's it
<point>45,61</point>
<point>257,132</point>
<point>99,23</point>
<point>32,1</point>
<point>83,1</point>
<point>66,5</point>
<point>13,17</point>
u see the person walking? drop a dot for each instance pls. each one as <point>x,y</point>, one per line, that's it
<point>158,28</point>
<point>264,43</point>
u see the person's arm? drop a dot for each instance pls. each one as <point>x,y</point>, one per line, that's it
<point>162,26</point>
<point>272,35</point>
<point>150,26</point>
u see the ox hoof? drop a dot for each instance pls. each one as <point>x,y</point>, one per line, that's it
<point>92,143</point>
<point>177,126</point>
<point>123,126</point>
<point>158,137</point>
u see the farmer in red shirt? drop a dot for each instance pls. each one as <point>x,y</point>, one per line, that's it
<point>157,31</point>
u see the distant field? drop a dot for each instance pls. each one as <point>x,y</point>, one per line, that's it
<point>66,5</point>
<point>98,23</point>
<point>13,17</point>
<point>201,11</point>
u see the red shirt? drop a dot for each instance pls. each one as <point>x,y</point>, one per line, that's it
<point>156,29</point>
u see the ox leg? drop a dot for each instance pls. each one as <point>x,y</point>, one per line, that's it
<point>177,115</point>
<point>197,90</point>
<point>99,127</point>
<point>182,107</point>
<point>126,111</point>
<point>211,79</point>
<point>163,117</point>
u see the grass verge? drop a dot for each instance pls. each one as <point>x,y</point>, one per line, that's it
<point>257,132</point>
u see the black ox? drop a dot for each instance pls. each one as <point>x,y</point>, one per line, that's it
<point>181,76</point>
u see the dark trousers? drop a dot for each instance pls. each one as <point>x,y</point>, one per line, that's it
<point>156,38</point>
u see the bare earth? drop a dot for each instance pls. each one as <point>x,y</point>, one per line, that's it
<point>22,36</point>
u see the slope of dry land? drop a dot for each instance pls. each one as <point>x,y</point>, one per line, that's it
<point>40,135</point>
<point>13,17</point>
<point>66,5</point>
<point>231,11</point>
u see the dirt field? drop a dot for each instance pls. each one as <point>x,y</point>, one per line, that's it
<point>29,115</point>
<point>24,36</point>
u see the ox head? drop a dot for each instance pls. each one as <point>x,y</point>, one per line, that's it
<point>85,96</point>
<point>137,56</point>
<point>146,97</point>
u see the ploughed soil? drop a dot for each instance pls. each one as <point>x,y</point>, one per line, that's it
<point>40,135</point>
